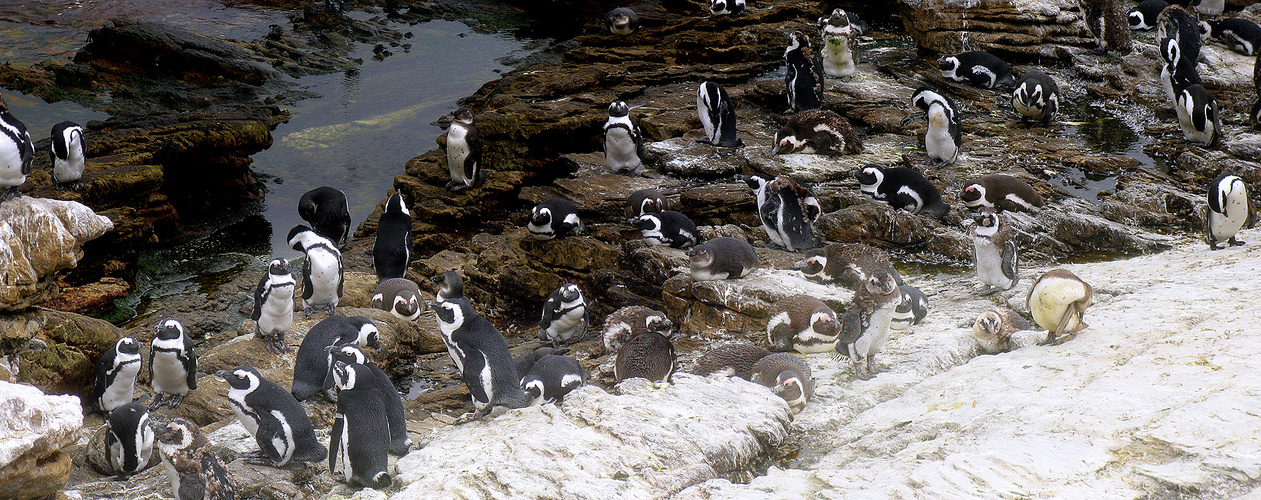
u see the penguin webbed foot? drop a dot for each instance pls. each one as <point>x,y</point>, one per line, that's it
<point>400,448</point>
<point>329,395</point>
<point>874,368</point>
<point>1234,242</point>
<point>987,290</point>
<point>175,400</point>
<point>12,193</point>
<point>157,401</point>
<point>471,416</point>
<point>456,186</point>
<point>258,457</point>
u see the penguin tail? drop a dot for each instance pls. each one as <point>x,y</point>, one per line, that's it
<point>381,480</point>
<point>938,209</point>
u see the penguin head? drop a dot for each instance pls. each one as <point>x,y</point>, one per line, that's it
<point>178,434</point>
<point>972,193</point>
<point>618,109</point>
<point>451,311</point>
<point>620,21</point>
<point>346,375</point>
<point>1206,30</point>
<point>652,205</point>
<point>169,329</point>
<point>700,256</point>
<point>1136,19</point>
<point>797,41</point>
<point>570,292</point>
<point>541,216</point>
<point>987,324</point>
<point>1170,51</point>
<point>948,65</point>
<point>869,178</point>
<point>299,237</point>
<point>242,377</point>
<point>396,205</point>
<point>794,387</point>
<point>406,304</point>
<point>838,19</point>
<point>533,386</point>
<point>757,181</point>
<point>824,323</point>
<point>278,267</point>
<point>462,115</point>
<point>717,7</point>
<point>347,354</point>
<point>368,334</point>
<point>882,283</point>
<point>128,345</point>
<point>986,221</point>
<point>647,222</point>
<point>812,265</point>
<point>786,141</point>
<point>659,323</point>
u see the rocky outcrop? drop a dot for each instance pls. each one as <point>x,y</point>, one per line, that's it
<point>33,430</point>
<point>39,237</point>
<point>1043,28</point>
<point>75,343</point>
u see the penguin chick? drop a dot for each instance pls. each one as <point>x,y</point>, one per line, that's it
<point>191,465</point>
<point>399,296</point>
<point>564,319</point>
<point>996,253</point>
<point>730,360</point>
<point>847,264</point>
<point>993,329</point>
<point>631,321</point>
<point>788,376</point>
<point>865,328</point>
<point>649,355</point>
<point>1228,211</point>
<point>817,131</point>
<point>1057,301</point>
<point>802,323</point>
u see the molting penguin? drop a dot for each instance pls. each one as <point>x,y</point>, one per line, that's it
<point>649,355</point>
<point>865,327</point>
<point>1000,192</point>
<point>326,210</point>
<point>322,273</point>
<point>191,464</point>
<point>802,323</point>
<point>552,377</point>
<point>839,43</point>
<point>464,152</point>
<point>631,321</point>
<point>311,364</point>
<point>1228,211</point>
<point>357,444</point>
<point>67,154</point>
<point>17,154</point>
<point>726,7</point>
<point>902,189</point>
<point>1036,97</point>
<point>646,201</point>
<point>1143,16</point>
<point>804,77</point>
<point>817,131</point>
<point>554,218</point>
<point>116,371</point>
<point>847,264</point>
<point>978,68</point>
<point>996,252</point>
<point>1057,301</point>
<point>787,376</point>
<point>944,137</point>
<point>172,364</point>
<point>564,319</point>
<point>912,309</point>
<point>488,369</point>
<point>787,211</point>
<point>273,306</point>
<point>718,116</point>
<point>1241,35</point>
<point>993,329</point>
<point>730,360</point>
<point>1210,7</point>
<point>623,141</point>
<point>1198,116</point>
<point>669,228</point>
<point>392,248</point>
<point>391,401</point>
<point>399,296</point>
<point>1176,23</point>
<point>129,442</point>
<point>722,258</point>
<point>278,422</point>
<point>620,21</point>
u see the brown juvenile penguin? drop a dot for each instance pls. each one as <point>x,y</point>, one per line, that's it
<point>817,131</point>
<point>865,328</point>
<point>648,355</point>
<point>993,328</point>
<point>1000,192</point>
<point>731,360</point>
<point>191,465</point>
<point>630,321</point>
<point>788,376</point>
<point>802,323</point>
<point>847,264</point>
<point>1057,301</point>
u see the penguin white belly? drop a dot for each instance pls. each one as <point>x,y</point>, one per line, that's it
<point>116,453</point>
<point>171,474</point>
<point>1188,127</point>
<point>277,312</point>
<point>1225,226</point>
<point>707,275</point>
<point>937,141</point>
<point>809,341</point>
<point>456,354</point>
<point>877,332</point>
<point>838,60</point>
<point>653,236</point>
<point>168,374</point>
<point>457,151</point>
<point>565,324</point>
<point>237,399</point>
<point>324,278</point>
<point>989,264</point>
<point>343,448</point>
<point>619,150</point>
<point>122,390</point>
<point>1051,298</point>
<point>1166,81</point>
<point>1027,109</point>
<point>10,165</point>
<point>488,386</point>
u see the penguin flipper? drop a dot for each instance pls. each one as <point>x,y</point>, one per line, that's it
<point>1011,262</point>
<point>268,434</point>
<point>334,441</point>
<point>851,329</point>
<point>189,360</point>
<point>341,277</point>
<point>474,362</point>
<point>259,298</point>
<point>307,289</point>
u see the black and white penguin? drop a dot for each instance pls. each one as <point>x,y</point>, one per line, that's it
<point>322,272</point>
<point>325,208</point>
<point>718,116</point>
<point>116,371</point>
<point>552,377</point>
<point>357,444</point>
<point>722,258</point>
<point>1143,16</point>
<point>1241,35</point>
<point>172,365</point>
<point>524,362</point>
<point>646,201</point>
<point>278,422</point>
<point>1177,73</point>
<point>902,189</point>
<point>787,211</point>
<point>391,400</point>
<point>1000,192</point>
<point>620,21</point>
<point>488,369</point>
<point>648,355</point>
<point>129,442</point>
<point>623,141</point>
<point>802,323</point>
<point>669,228</point>
<point>1057,301</point>
<point>865,328</point>
<point>817,131</point>
<point>311,364</point>
<point>273,306</point>
<point>944,138</point>
<point>1228,210</point>
<point>730,360</point>
<point>554,218</point>
<point>450,286</point>
<point>191,464</point>
<point>464,152</point>
<point>628,322</point>
<point>1036,97</point>
<point>564,319</point>
<point>911,311</point>
<point>787,376</point>
<point>1198,116</point>
<point>840,39</point>
<point>993,328</point>
<point>17,153</point>
<point>392,248</point>
<point>1174,22</point>
<point>399,296</point>
<point>847,264</point>
<point>979,68</point>
<point>67,154</point>
<point>996,254</point>
<point>804,76</point>
<point>726,7</point>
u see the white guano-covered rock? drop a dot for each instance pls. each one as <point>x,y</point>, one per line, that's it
<point>33,430</point>
<point>39,237</point>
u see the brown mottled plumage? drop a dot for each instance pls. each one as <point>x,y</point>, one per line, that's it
<point>733,360</point>
<point>788,376</point>
<point>993,328</point>
<point>847,264</point>
<point>191,465</point>
<point>817,131</point>
<point>631,321</point>
<point>649,355</point>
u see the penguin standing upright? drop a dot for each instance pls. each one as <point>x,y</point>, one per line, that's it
<point>978,68</point>
<point>191,464</point>
<point>399,296</point>
<point>1057,301</point>
<point>464,152</point>
<point>787,211</point>
<point>866,325</point>
<point>310,365</point>
<point>995,251</point>
<point>817,131</point>
<point>1228,210</point>
<point>278,422</point>
<point>623,141</point>
<point>804,77</point>
<point>630,321</point>
<point>646,201</point>
<point>273,306</point>
<point>357,444</point>
<point>116,371</point>
<point>722,258</point>
<point>649,355</point>
<point>901,188</point>
<point>839,43</point>
<point>67,154</point>
<point>17,154</point>
<point>621,21</point>
<point>944,137</point>
<point>325,208</point>
<point>1143,16</point>
<point>450,286</point>
<point>1107,22</point>
<point>718,116</point>
<point>129,442</point>
<point>554,218</point>
<point>564,319</point>
<point>322,273</point>
<point>1036,97</point>
<point>488,369</point>
<point>392,248</point>
<point>172,365</point>
<point>847,264</point>
<point>391,400</point>
<point>802,323</point>
<point>1000,192</point>
<point>669,228</point>
<point>552,377</point>
<point>787,376</point>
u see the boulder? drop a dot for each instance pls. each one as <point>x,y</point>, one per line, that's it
<point>741,306</point>
<point>39,237</point>
<point>1044,28</point>
<point>33,430</point>
<point>75,342</point>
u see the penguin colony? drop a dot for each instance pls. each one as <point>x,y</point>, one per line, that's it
<point>329,358</point>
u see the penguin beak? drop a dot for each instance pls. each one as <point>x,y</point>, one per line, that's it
<point>223,374</point>
<point>330,348</point>
<point>432,304</point>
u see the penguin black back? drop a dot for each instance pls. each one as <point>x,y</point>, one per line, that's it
<point>718,115</point>
<point>392,248</point>
<point>649,355</point>
<point>311,364</point>
<point>901,188</point>
<point>489,371</point>
<point>326,210</point>
<point>391,400</point>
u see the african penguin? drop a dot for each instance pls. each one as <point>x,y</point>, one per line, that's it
<point>648,355</point>
<point>464,152</point>
<point>554,218</point>
<point>391,400</point>
<point>450,286</point>
<point>846,264</point>
<point>1181,26</point>
<point>620,21</point>
<point>912,309</point>
<point>326,210</point>
<point>273,306</point>
<point>1240,35</point>
<point>1106,21</point>
<point>67,154</point>
<point>278,422</point>
<point>552,377</point>
<point>172,365</point>
<point>726,7</point>
<point>802,323</point>
<point>564,318</point>
<point>399,296</point>
<point>902,189</point>
<point>865,327</point>
<point>944,138</point>
<point>116,371</point>
<point>993,328</point>
<point>191,464</point>
<point>1177,73</point>
<point>730,360</point>
<point>718,116</point>
<point>1057,301</point>
<point>392,247</point>
<point>1036,97</point>
<point>787,376</point>
<point>787,211</point>
<point>630,321</point>
<point>311,364</point>
<point>1143,16</point>
<point>839,43</point>
<point>804,77</point>
<point>996,252</point>
<point>623,141</point>
<point>488,369</point>
<point>1198,117</point>
<point>817,131</point>
<point>668,228</point>
<point>129,442</point>
<point>361,433</point>
<point>322,272</point>
<point>1228,210</point>
<point>1254,114</point>
<point>978,68</point>
<point>1000,192</point>
<point>524,362</point>
<point>722,258</point>
<point>17,154</point>
<point>646,201</point>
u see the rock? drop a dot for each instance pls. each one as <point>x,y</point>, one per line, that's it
<point>157,47</point>
<point>75,343</point>
<point>740,306</point>
<point>89,297</point>
<point>34,430</point>
<point>1041,28</point>
<point>40,237</point>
